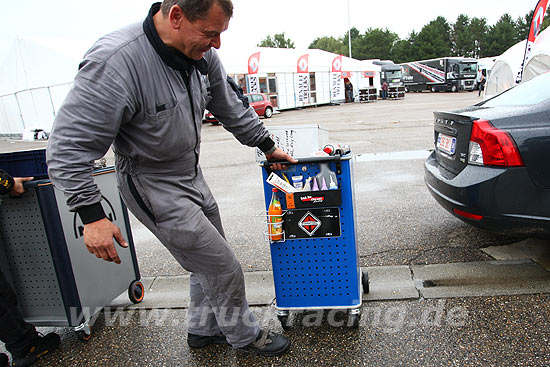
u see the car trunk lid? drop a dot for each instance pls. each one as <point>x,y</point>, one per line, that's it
<point>451,138</point>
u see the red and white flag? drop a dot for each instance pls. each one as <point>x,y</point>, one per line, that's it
<point>536,25</point>
<point>254,63</point>
<point>303,66</point>
<point>337,64</point>
<point>302,81</point>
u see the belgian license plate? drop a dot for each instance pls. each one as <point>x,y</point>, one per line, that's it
<point>446,144</point>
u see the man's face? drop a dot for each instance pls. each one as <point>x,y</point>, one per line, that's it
<point>197,37</point>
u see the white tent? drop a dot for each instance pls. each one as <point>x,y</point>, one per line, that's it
<point>539,61</point>
<point>35,77</point>
<point>284,60</point>
<point>277,70</point>
<point>505,70</point>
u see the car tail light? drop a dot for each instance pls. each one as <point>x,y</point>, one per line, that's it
<point>467,215</point>
<point>490,146</point>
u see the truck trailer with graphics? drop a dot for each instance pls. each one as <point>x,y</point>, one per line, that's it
<point>451,74</point>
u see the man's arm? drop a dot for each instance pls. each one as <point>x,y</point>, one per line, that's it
<point>6,182</point>
<point>279,155</point>
<point>229,106</point>
<point>12,185</point>
<point>83,131</point>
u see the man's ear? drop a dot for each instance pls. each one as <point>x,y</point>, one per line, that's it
<point>176,17</point>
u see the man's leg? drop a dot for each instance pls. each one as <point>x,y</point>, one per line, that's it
<point>217,277</point>
<point>200,316</point>
<point>17,334</point>
<point>185,219</point>
<point>182,226</point>
<point>20,337</point>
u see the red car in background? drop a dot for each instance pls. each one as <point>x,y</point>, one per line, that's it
<point>258,101</point>
<point>261,104</point>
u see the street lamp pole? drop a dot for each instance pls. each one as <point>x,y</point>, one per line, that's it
<point>349,32</point>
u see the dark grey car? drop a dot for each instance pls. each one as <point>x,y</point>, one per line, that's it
<point>491,163</point>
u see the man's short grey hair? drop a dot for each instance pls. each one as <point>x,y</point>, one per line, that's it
<point>197,9</point>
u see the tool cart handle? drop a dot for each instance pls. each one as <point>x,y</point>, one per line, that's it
<point>330,158</point>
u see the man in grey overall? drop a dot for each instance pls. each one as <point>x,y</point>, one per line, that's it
<point>144,89</point>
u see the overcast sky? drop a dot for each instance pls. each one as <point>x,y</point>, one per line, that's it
<point>301,20</point>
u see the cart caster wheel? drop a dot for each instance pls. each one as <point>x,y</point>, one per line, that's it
<point>353,320</point>
<point>83,335</point>
<point>365,282</point>
<point>284,322</point>
<point>136,291</point>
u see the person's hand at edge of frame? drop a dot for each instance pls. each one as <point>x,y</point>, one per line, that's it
<point>18,188</point>
<point>98,238</point>
<point>280,155</point>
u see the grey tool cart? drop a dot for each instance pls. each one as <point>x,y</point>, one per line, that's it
<point>42,253</point>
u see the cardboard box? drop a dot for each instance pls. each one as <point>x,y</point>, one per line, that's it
<point>300,141</point>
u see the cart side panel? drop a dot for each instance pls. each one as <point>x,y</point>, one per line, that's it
<point>28,260</point>
<point>98,282</point>
<point>60,255</point>
<point>348,193</point>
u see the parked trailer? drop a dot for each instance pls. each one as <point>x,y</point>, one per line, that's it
<point>444,74</point>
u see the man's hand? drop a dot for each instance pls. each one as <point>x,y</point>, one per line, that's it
<point>279,155</point>
<point>98,238</point>
<point>18,188</point>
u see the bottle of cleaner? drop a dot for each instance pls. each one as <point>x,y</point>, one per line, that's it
<point>323,184</point>
<point>275,217</point>
<point>314,186</point>
<point>307,185</point>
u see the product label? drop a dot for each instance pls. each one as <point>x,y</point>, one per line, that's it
<point>312,199</point>
<point>279,183</point>
<point>275,227</point>
<point>290,201</point>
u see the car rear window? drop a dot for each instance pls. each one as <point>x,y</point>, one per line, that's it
<point>529,93</point>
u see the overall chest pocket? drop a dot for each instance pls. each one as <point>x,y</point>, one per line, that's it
<point>160,127</point>
<point>161,110</point>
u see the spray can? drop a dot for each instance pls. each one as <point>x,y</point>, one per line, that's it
<point>336,149</point>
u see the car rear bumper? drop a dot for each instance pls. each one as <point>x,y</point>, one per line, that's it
<point>505,197</point>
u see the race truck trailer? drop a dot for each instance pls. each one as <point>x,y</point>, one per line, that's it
<point>444,74</point>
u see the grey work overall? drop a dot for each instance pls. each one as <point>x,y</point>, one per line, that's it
<point>126,95</point>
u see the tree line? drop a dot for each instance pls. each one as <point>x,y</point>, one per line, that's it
<point>468,37</point>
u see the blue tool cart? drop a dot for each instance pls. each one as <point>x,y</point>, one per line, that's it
<point>315,265</point>
<point>42,253</point>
